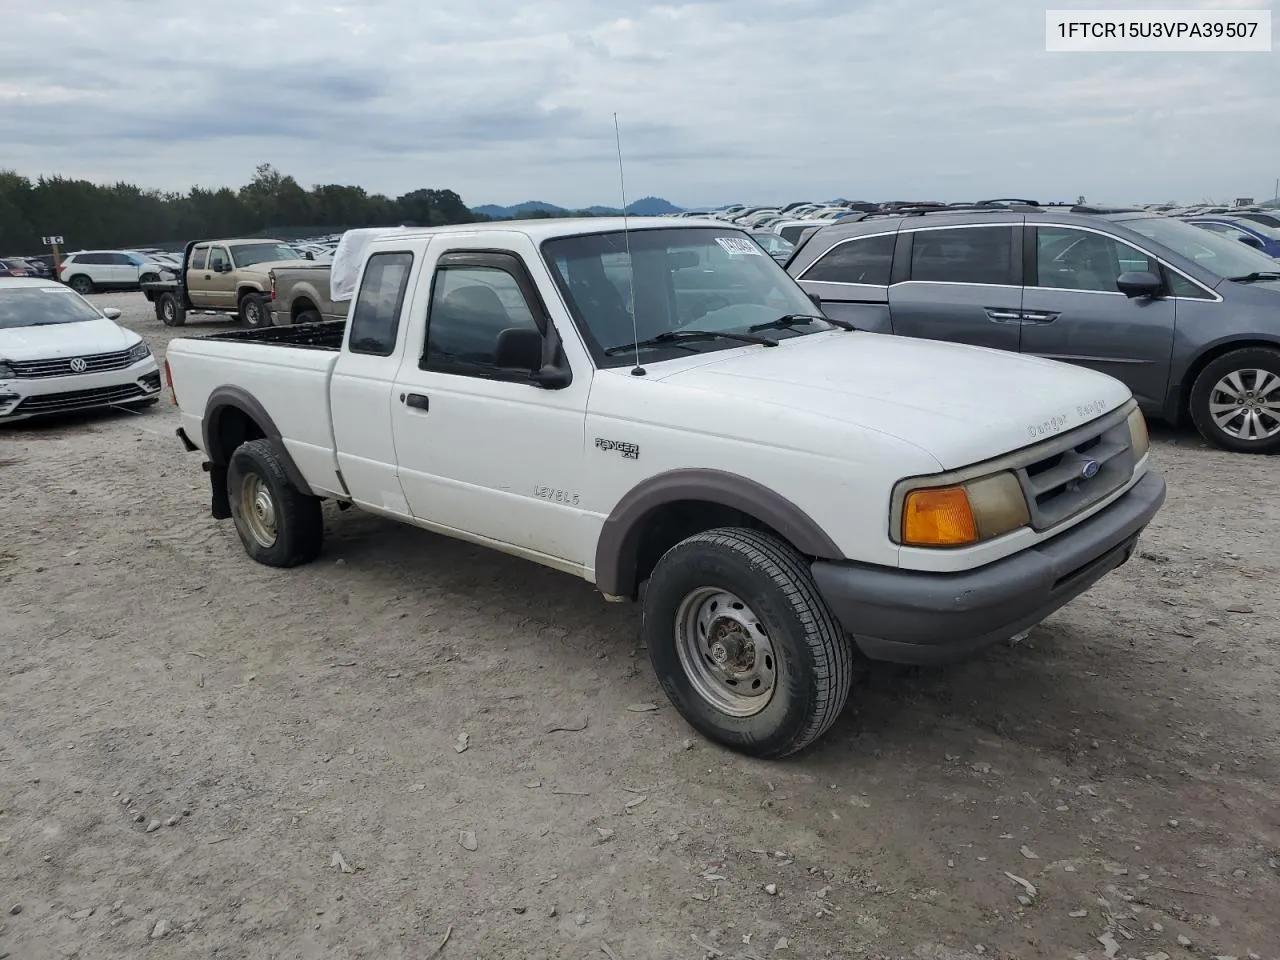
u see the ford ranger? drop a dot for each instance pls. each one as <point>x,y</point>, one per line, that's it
<point>658,405</point>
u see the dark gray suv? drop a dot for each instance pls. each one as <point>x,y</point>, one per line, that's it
<point>1189,320</point>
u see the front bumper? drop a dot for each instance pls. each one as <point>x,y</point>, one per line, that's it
<point>25,397</point>
<point>912,617</point>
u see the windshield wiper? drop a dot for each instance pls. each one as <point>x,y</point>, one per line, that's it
<point>797,320</point>
<point>1256,276</point>
<point>682,336</point>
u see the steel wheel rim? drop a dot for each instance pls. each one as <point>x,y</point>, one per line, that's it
<point>169,310</point>
<point>258,510</point>
<point>1245,404</point>
<point>253,313</point>
<point>725,651</point>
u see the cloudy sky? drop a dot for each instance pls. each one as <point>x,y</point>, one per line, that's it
<point>719,100</point>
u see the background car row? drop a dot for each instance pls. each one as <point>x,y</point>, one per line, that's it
<point>1258,226</point>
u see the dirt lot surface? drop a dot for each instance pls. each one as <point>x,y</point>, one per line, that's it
<point>202,757</point>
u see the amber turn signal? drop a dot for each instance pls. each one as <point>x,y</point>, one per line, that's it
<point>938,517</point>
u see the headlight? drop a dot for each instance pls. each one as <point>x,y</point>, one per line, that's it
<point>964,513</point>
<point>139,351</point>
<point>1138,436</point>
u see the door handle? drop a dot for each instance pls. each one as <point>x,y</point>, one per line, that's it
<point>418,401</point>
<point>999,315</point>
<point>1039,316</point>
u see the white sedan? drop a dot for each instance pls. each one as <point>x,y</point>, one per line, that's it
<point>58,353</point>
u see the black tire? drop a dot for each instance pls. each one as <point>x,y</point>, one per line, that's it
<point>309,316</point>
<point>298,522</point>
<point>81,284</point>
<point>255,311</point>
<point>812,657</point>
<point>148,278</point>
<point>1242,362</point>
<point>169,311</point>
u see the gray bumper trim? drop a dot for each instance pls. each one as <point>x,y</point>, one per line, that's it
<point>921,618</point>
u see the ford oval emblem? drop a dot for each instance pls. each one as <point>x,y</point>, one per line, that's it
<point>1089,469</point>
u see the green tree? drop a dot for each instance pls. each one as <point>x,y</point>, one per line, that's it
<point>125,215</point>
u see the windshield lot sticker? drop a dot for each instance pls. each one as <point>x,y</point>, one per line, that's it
<point>739,245</point>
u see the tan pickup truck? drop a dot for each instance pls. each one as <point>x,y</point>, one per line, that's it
<point>302,295</point>
<point>223,276</point>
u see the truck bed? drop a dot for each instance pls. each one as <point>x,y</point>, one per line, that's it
<point>326,335</point>
<point>291,381</point>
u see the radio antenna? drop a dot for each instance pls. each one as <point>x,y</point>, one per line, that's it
<point>637,370</point>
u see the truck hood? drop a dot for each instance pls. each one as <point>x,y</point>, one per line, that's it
<point>268,265</point>
<point>78,339</point>
<point>962,404</point>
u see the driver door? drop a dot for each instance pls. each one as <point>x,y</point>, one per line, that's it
<point>482,450</point>
<point>218,282</point>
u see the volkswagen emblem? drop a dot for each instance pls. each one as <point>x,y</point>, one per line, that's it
<point>78,365</point>
<point>1089,469</point>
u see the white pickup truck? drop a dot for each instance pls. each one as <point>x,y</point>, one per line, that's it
<point>657,403</point>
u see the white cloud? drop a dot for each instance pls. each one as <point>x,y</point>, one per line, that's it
<point>719,100</point>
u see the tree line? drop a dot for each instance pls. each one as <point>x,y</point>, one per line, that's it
<point>122,215</point>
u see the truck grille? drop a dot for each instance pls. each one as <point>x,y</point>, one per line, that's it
<point>62,366</point>
<point>100,396</point>
<point>1074,472</point>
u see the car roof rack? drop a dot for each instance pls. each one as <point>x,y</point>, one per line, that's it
<point>1096,209</point>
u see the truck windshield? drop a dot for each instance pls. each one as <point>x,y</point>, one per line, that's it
<point>707,279</point>
<point>42,306</point>
<point>250,253</point>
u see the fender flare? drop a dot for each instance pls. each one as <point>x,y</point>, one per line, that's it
<point>236,398</point>
<point>619,543</point>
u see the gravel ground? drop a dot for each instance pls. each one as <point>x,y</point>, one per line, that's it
<point>202,757</point>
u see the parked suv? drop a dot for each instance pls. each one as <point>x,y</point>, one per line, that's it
<point>1188,319</point>
<point>88,271</point>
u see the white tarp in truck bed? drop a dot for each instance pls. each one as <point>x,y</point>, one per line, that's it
<point>349,257</point>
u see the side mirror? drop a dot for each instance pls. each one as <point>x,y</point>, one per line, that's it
<point>520,348</point>
<point>111,313</point>
<point>309,255</point>
<point>1138,283</point>
<point>224,267</point>
<point>1252,242</point>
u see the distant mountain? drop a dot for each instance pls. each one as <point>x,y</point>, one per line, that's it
<point>644,207</point>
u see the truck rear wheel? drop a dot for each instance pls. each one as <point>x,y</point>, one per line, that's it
<point>279,525</point>
<point>742,643</point>
<point>255,311</point>
<point>309,316</point>
<point>169,311</point>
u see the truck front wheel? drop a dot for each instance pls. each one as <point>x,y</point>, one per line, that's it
<point>255,311</point>
<point>742,643</point>
<point>279,525</point>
